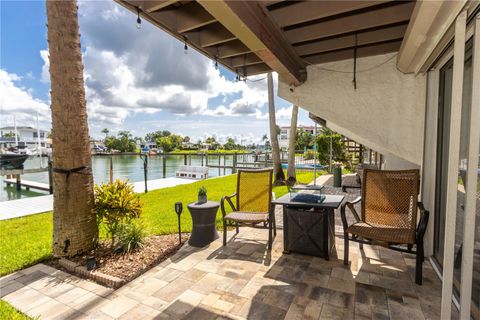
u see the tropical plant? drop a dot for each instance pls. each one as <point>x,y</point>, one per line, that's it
<point>131,235</point>
<point>170,142</point>
<point>105,131</point>
<point>329,138</point>
<point>10,134</point>
<point>153,136</point>
<point>278,174</point>
<point>230,144</point>
<point>202,191</point>
<point>123,142</point>
<point>74,228</point>
<point>115,204</point>
<point>303,139</point>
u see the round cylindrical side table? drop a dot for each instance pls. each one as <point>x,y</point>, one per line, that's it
<point>203,220</point>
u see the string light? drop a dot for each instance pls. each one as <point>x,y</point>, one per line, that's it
<point>139,21</point>
<point>185,47</point>
<point>216,60</point>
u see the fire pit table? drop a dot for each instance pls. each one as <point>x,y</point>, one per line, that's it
<point>203,220</point>
<point>309,227</point>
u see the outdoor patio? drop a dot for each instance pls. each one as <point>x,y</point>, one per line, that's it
<point>241,280</point>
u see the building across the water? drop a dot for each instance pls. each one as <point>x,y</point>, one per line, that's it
<point>27,137</point>
<point>283,138</point>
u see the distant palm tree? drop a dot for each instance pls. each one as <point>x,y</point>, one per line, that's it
<point>291,147</point>
<point>106,132</point>
<point>74,223</point>
<point>279,175</point>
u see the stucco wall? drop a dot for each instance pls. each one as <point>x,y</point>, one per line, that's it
<point>385,113</point>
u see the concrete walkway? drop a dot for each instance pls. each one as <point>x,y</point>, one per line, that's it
<point>240,281</point>
<point>28,206</point>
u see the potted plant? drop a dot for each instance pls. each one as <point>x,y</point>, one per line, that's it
<point>337,174</point>
<point>202,195</point>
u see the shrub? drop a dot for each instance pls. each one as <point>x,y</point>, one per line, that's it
<point>131,235</point>
<point>115,204</point>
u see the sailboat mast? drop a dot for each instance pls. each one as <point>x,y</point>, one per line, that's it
<point>15,128</point>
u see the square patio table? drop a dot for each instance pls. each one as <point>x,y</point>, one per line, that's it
<point>309,228</point>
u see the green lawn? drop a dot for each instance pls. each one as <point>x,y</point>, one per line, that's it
<point>26,241</point>
<point>10,313</point>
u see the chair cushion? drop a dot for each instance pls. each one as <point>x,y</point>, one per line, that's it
<point>247,217</point>
<point>382,233</point>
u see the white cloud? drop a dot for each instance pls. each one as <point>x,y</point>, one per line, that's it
<point>45,76</point>
<point>128,71</point>
<point>17,100</point>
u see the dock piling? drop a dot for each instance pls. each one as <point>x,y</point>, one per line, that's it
<point>164,166</point>
<point>50,176</point>
<point>19,182</point>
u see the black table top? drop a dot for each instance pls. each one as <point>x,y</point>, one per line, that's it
<point>206,205</point>
<point>331,201</point>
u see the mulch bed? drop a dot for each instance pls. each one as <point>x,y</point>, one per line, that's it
<point>128,266</point>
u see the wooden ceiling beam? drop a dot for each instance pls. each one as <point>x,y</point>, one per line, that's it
<point>348,41</point>
<point>247,59</point>
<point>184,18</point>
<point>211,35</point>
<point>364,20</point>
<point>304,11</point>
<point>150,6</point>
<point>255,69</point>
<point>368,50</point>
<point>229,49</point>
<point>250,23</point>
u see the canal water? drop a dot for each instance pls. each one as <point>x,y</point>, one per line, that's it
<point>124,167</point>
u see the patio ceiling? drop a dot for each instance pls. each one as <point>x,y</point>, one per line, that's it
<point>254,37</point>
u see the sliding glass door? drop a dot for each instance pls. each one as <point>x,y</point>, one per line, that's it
<point>443,135</point>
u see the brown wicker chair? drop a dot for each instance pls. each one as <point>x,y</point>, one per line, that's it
<point>389,214</point>
<point>253,203</point>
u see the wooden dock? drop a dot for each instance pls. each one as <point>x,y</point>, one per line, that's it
<point>28,184</point>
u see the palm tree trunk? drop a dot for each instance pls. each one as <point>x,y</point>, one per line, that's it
<point>278,173</point>
<point>74,224</point>
<point>291,147</point>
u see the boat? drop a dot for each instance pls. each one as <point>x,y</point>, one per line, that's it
<point>12,161</point>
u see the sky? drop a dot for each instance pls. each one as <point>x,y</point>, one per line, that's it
<point>139,80</point>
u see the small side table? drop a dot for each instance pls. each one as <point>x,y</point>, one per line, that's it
<point>203,220</point>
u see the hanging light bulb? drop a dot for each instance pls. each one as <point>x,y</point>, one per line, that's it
<point>185,47</point>
<point>139,21</point>
<point>216,63</point>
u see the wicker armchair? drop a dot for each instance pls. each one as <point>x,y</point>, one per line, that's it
<point>253,203</point>
<point>389,214</point>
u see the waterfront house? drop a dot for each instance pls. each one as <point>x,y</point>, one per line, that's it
<point>284,136</point>
<point>27,137</point>
<point>399,77</point>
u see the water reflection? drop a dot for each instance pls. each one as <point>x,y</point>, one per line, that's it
<point>124,167</point>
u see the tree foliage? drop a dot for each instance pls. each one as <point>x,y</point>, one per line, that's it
<point>123,142</point>
<point>304,139</point>
<point>153,136</point>
<point>323,143</point>
<point>170,142</point>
